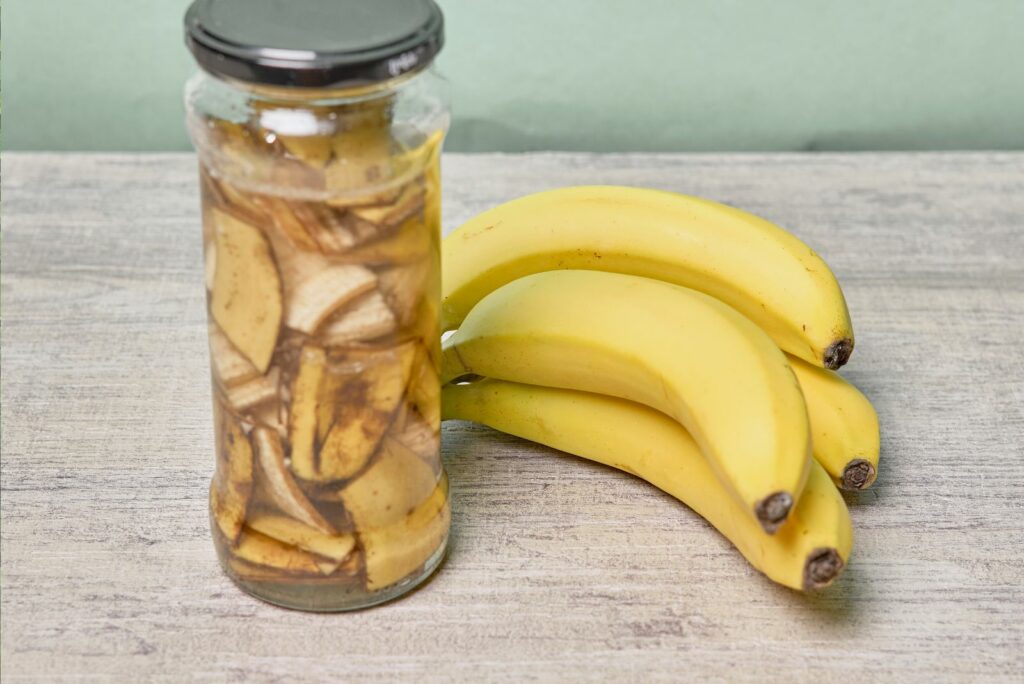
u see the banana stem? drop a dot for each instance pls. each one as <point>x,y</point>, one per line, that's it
<point>858,474</point>
<point>838,353</point>
<point>773,510</point>
<point>823,565</point>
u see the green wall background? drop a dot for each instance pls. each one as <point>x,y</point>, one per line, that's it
<point>604,75</point>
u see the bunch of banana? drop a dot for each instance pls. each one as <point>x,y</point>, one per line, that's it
<point>681,340</point>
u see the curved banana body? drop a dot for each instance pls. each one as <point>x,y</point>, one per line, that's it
<point>808,552</point>
<point>844,426</point>
<point>671,348</point>
<point>759,269</point>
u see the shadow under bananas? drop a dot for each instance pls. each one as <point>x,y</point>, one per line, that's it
<point>469,452</point>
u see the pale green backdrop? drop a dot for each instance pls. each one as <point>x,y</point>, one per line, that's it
<point>581,74</point>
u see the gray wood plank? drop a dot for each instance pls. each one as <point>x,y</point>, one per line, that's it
<point>560,570</point>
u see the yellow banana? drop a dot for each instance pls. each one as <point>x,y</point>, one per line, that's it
<point>808,552</point>
<point>844,426</point>
<point>756,267</point>
<point>669,347</point>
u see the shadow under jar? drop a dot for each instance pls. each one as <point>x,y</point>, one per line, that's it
<point>318,125</point>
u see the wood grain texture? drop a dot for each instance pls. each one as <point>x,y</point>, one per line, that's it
<point>560,570</point>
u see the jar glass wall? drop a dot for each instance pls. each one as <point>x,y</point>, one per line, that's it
<point>321,233</point>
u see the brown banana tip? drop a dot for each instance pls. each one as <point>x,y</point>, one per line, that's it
<point>858,474</point>
<point>822,566</point>
<point>838,353</point>
<point>772,510</point>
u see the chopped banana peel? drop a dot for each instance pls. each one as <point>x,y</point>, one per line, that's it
<point>422,158</point>
<point>323,292</point>
<point>362,158</point>
<point>315,150</point>
<point>404,286</point>
<point>366,318</point>
<point>273,416</point>
<point>335,547</point>
<point>209,264</point>
<point>391,488</point>
<point>425,389</point>
<point>278,486</point>
<point>302,424</point>
<point>234,142</point>
<point>327,410</point>
<point>222,195</point>
<point>366,403</point>
<point>246,297</point>
<point>327,227</point>
<point>254,392</point>
<point>330,387</point>
<point>232,484</point>
<point>259,549</point>
<point>397,551</point>
<point>344,573</point>
<point>287,222</point>
<point>411,242</point>
<point>349,199</point>
<point>419,436</point>
<point>327,567</point>
<point>408,203</point>
<point>345,570</point>
<point>230,366</point>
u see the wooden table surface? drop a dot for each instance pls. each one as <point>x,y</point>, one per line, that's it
<point>559,570</point>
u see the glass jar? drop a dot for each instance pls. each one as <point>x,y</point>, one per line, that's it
<point>318,125</point>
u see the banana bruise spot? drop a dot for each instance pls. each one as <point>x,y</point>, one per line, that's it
<point>838,353</point>
<point>858,474</point>
<point>773,510</point>
<point>822,566</point>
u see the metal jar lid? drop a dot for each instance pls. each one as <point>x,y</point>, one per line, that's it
<point>313,43</point>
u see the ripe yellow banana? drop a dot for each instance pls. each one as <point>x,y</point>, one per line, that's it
<point>808,552</point>
<point>669,347</point>
<point>844,426</point>
<point>756,267</point>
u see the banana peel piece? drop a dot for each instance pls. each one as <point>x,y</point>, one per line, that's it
<point>404,286</point>
<point>366,403</point>
<point>327,227</point>
<point>315,150</point>
<point>409,243</point>
<point>288,224</point>
<point>222,195</point>
<point>322,292</point>
<point>343,573</point>
<point>230,366</point>
<point>209,264</point>
<point>335,547</point>
<point>397,551</point>
<point>314,285</point>
<point>367,318</point>
<point>425,389</point>
<point>259,549</point>
<point>277,486</point>
<point>302,423</point>
<point>273,416</point>
<point>414,432</point>
<point>389,490</point>
<point>246,297</point>
<point>232,484</point>
<point>361,158</point>
<point>254,392</point>
<point>409,201</point>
